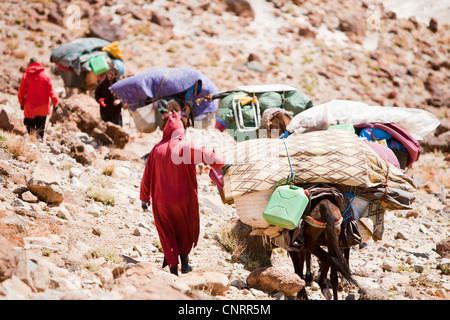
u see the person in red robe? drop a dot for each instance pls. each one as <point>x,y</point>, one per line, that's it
<point>169,181</point>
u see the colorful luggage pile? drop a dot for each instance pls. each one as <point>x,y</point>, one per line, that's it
<point>82,63</point>
<point>292,101</point>
<point>343,144</point>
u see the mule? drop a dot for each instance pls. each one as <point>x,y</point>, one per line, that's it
<point>322,229</point>
<point>179,106</point>
<point>275,121</point>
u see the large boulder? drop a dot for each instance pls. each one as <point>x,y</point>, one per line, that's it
<point>443,248</point>
<point>67,142</point>
<point>215,282</point>
<point>352,23</point>
<point>11,124</point>
<point>43,181</point>
<point>103,27</point>
<point>433,143</point>
<point>275,280</point>
<point>8,259</point>
<point>157,290</point>
<point>83,111</point>
<point>241,8</point>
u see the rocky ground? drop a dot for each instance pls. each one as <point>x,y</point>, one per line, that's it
<point>98,244</point>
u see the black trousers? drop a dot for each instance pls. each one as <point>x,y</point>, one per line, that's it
<point>37,124</point>
<point>114,118</point>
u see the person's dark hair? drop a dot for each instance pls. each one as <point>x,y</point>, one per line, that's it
<point>34,59</point>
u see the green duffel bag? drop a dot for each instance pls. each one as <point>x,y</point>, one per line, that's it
<point>269,100</point>
<point>297,101</point>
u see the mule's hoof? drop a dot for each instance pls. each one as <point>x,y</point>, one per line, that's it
<point>327,294</point>
<point>302,295</point>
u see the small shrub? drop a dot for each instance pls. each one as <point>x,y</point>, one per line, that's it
<point>230,241</point>
<point>46,252</point>
<point>91,267</point>
<point>108,171</point>
<point>102,253</point>
<point>101,195</point>
<point>234,237</point>
<point>102,182</point>
<point>157,245</point>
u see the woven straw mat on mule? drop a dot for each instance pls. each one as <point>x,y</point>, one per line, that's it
<point>331,156</point>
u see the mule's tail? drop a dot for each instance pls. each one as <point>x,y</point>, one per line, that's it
<point>338,260</point>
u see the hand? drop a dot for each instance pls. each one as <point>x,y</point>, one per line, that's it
<point>21,107</point>
<point>116,102</point>
<point>144,205</point>
<point>55,108</point>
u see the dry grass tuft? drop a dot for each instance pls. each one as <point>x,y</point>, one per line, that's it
<point>229,239</point>
<point>19,147</point>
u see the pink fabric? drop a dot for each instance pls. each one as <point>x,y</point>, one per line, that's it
<point>384,152</point>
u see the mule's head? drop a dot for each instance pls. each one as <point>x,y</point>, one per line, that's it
<point>275,120</point>
<point>279,122</point>
<point>183,109</point>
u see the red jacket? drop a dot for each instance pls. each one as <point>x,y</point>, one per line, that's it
<point>170,182</point>
<point>35,92</point>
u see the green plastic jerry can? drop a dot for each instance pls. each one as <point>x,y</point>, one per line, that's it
<point>99,65</point>
<point>286,206</point>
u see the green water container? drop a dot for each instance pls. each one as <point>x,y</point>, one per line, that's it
<point>343,126</point>
<point>286,206</point>
<point>99,65</point>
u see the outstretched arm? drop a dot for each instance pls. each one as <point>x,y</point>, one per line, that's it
<point>207,157</point>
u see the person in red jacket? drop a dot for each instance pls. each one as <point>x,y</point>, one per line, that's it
<point>169,181</point>
<point>35,92</point>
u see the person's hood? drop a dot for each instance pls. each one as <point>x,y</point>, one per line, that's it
<point>174,128</point>
<point>35,67</point>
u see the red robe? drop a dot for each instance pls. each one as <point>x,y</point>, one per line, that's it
<point>170,182</point>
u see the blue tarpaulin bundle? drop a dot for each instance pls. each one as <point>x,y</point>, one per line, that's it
<point>154,83</point>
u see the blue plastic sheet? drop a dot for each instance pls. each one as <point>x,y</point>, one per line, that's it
<point>164,82</point>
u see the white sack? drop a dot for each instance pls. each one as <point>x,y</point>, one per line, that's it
<point>417,122</point>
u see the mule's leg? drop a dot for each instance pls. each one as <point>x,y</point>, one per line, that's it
<point>347,255</point>
<point>298,260</point>
<point>334,282</point>
<point>308,274</point>
<point>325,263</point>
